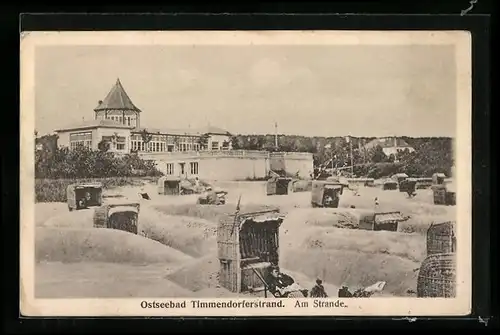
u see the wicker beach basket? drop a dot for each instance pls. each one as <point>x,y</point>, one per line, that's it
<point>437,276</point>
<point>441,238</point>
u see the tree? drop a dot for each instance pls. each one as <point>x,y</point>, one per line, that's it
<point>377,154</point>
<point>237,142</point>
<point>430,155</point>
<point>203,141</point>
<point>103,145</point>
<point>48,142</point>
<point>176,142</point>
<point>146,138</point>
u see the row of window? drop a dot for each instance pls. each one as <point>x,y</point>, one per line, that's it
<point>83,139</point>
<point>75,144</point>
<point>81,136</point>
<point>169,139</point>
<point>151,146</point>
<point>129,120</point>
<point>117,143</point>
<point>193,168</point>
<point>155,146</point>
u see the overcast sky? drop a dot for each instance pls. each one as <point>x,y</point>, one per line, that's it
<point>308,90</point>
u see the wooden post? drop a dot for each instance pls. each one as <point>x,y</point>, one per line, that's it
<point>352,160</point>
<point>276,136</point>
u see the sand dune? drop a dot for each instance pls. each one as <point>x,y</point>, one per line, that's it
<point>44,211</point>
<point>190,235</point>
<point>201,276</point>
<point>355,258</point>
<point>354,269</point>
<point>105,280</point>
<point>198,275</point>
<point>177,256</point>
<point>408,246</point>
<point>65,219</point>
<point>101,245</point>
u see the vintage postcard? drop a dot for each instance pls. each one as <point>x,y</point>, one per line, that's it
<point>269,173</point>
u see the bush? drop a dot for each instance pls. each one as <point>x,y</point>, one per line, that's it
<point>432,154</point>
<point>378,170</point>
<point>54,190</point>
<point>63,163</point>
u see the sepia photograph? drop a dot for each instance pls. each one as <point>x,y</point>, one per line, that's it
<point>245,173</point>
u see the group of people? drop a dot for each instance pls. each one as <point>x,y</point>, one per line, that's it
<point>282,285</point>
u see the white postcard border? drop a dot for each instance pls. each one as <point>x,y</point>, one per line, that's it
<point>461,305</point>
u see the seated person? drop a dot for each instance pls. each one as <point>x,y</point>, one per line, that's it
<point>318,291</point>
<point>280,284</point>
<point>82,203</point>
<point>328,200</point>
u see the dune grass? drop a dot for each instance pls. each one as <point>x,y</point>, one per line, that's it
<point>54,190</point>
<point>206,212</point>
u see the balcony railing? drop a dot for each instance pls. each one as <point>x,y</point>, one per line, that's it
<point>225,153</point>
<point>207,153</point>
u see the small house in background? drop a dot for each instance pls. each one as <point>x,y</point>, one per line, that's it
<point>218,138</point>
<point>390,145</point>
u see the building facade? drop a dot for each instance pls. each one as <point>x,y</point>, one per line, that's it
<point>118,121</point>
<point>231,164</point>
<point>90,134</point>
<point>205,153</point>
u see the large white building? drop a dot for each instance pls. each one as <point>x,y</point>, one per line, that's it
<point>206,153</point>
<point>118,121</point>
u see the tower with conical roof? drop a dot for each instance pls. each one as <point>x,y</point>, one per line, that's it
<point>118,106</point>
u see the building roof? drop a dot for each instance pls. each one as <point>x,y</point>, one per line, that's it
<point>95,124</point>
<point>215,131</point>
<point>170,131</point>
<point>388,142</point>
<point>187,132</point>
<point>117,99</point>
